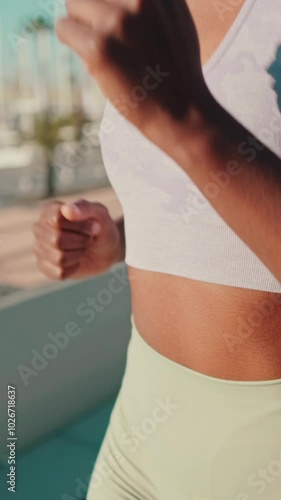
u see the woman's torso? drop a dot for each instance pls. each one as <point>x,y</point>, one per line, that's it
<point>222,331</point>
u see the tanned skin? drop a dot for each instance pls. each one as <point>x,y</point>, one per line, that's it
<point>206,327</point>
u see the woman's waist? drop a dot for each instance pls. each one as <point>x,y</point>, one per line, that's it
<point>221,331</point>
<point>224,427</point>
<point>149,374</point>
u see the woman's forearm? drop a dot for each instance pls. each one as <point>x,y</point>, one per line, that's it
<point>211,144</point>
<point>239,176</point>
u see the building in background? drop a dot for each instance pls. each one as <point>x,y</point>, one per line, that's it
<point>48,89</point>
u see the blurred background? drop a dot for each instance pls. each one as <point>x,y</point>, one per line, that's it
<point>50,112</point>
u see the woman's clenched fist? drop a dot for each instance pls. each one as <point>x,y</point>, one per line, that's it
<point>77,240</point>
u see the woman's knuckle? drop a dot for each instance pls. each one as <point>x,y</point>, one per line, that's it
<point>42,268</point>
<point>82,201</point>
<point>58,240</point>
<point>91,50</point>
<point>95,53</point>
<point>98,205</point>
<point>102,209</point>
<point>53,239</point>
<point>61,273</point>
<point>60,258</point>
<point>116,21</point>
<point>36,227</point>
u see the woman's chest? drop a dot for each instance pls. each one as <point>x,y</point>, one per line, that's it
<point>213,20</point>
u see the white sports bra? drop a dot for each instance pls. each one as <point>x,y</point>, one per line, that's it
<point>170,226</point>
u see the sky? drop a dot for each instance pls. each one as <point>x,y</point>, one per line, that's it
<point>14,13</point>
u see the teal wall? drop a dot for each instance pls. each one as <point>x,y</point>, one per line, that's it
<point>90,321</point>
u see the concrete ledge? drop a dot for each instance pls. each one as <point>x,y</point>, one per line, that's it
<point>64,350</point>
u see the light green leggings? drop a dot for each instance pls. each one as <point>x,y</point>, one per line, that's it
<point>175,434</point>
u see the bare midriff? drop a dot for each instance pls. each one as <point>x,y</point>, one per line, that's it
<point>221,331</point>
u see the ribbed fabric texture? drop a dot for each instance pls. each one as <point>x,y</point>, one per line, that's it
<point>170,225</point>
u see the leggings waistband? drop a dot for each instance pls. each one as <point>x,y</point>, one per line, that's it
<point>152,356</point>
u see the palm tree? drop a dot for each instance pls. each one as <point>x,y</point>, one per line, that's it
<point>47,135</point>
<point>64,80</point>
<point>47,130</point>
<point>41,27</point>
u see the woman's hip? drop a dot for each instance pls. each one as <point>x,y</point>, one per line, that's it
<point>175,433</point>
